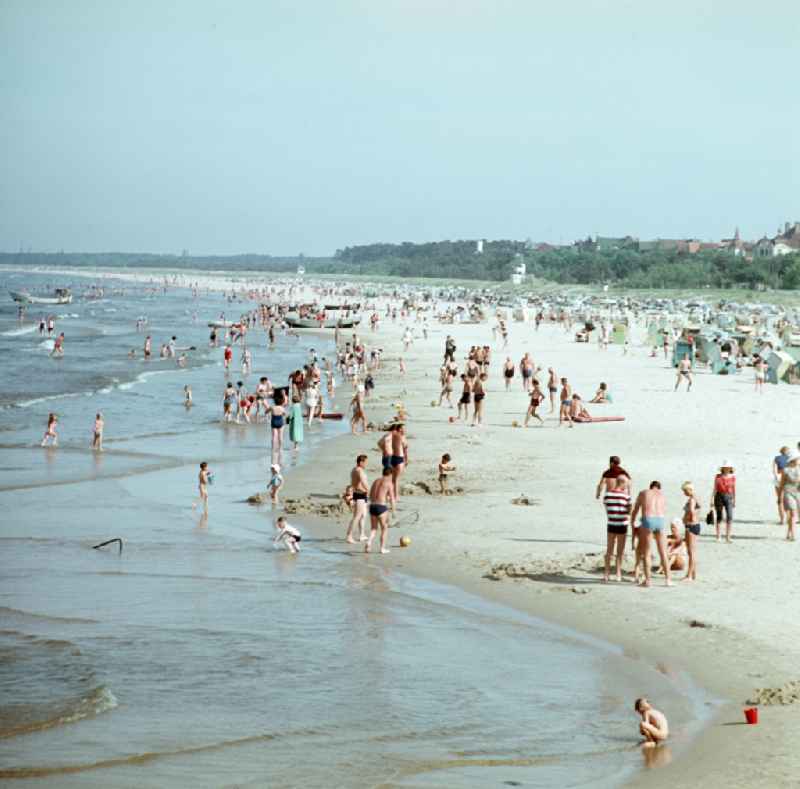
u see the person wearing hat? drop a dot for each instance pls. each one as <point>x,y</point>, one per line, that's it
<point>789,492</point>
<point>275,482</point>
<point>724,498</point>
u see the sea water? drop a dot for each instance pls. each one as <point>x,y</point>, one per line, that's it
<point>198,655</point>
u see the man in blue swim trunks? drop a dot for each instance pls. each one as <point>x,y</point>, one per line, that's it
<point>381,497</point>
<point>652,506</point>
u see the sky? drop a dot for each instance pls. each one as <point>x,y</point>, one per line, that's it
<point>306,126</point>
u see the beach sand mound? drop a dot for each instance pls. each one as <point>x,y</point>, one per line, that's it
<point>553,569</point>
<point>306,506</point>
<point>787,694</point>
<point>428,488</point>
<point>525,501</point>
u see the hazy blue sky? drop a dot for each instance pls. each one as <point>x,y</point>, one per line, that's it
<point>288,127</point>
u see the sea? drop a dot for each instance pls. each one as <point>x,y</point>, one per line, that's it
<point>194,654</point>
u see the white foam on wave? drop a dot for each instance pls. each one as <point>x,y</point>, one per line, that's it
<point>19,331</point>
<point>69,315</point>
<point>100,700</point>
<point>47,344</point>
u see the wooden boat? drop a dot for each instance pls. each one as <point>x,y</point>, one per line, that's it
<point>220,324</point>
<point>59,296</point>
<point>296,322</point>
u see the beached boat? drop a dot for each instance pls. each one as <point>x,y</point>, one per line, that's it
<point>59,296</point>
<point>296,322</point>
<point>220,324</point>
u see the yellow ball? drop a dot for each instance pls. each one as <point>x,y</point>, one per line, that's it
<point>405,542</point>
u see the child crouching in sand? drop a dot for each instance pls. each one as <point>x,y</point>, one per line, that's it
<point>444,469</point>
<point>653,726</point>
<point>288,535</point>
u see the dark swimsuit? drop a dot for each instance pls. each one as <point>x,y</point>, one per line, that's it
<point>377,509</point>
<point>277,420</point>
<point>397,460</point>
<point>359,495</point>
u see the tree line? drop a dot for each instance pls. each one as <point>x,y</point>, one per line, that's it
<point>460,260</point>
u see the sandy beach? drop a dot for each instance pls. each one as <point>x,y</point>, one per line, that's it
<point>543,557</point>
<point>522,529</point>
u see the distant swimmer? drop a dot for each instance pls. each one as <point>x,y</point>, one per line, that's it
<point>58,347</point>
<point>187,396</point>
<point>288,535</point>
<point>653,726</point>
<point>97,436</point>
<point>381,497</point>
<point>148,346</point>
<point>359,484</point>
<point>50,434</point>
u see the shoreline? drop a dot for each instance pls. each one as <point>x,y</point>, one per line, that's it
<point>653,632</point>
<point>652,625</point>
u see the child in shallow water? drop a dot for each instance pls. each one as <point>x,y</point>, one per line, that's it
<point>288,535</point>
<point>653,726</point>
<point>275,482</point>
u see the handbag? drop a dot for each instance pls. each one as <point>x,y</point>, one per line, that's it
<point>710,518</point>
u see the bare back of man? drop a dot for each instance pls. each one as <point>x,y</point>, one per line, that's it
<point>381,497</point>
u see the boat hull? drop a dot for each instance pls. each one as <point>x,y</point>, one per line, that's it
<point>26,298</point>
<point>329,323</point>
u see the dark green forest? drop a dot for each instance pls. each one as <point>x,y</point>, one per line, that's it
<point>458,260</point>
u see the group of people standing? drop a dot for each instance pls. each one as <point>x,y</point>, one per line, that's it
<point>650,508</point>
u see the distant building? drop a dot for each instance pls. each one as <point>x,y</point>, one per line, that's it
<point>607,243</point>
<point>734,245</point>
<point>786,242</point>
<point>479,247</point>
<point>686,246</point>
<point>518,275</point>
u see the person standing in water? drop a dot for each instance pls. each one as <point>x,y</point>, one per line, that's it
<point>381,497</point>
<point>50,434</point>
<point>58,346</point>
<point>97,436</point>
<point>277,413</point>
<point>204,479</point>
<point>653,726</point>
<point>360,486</point>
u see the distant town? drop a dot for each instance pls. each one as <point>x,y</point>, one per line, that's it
<point>786,241</point>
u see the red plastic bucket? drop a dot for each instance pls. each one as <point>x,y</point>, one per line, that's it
<point>751,715</point>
